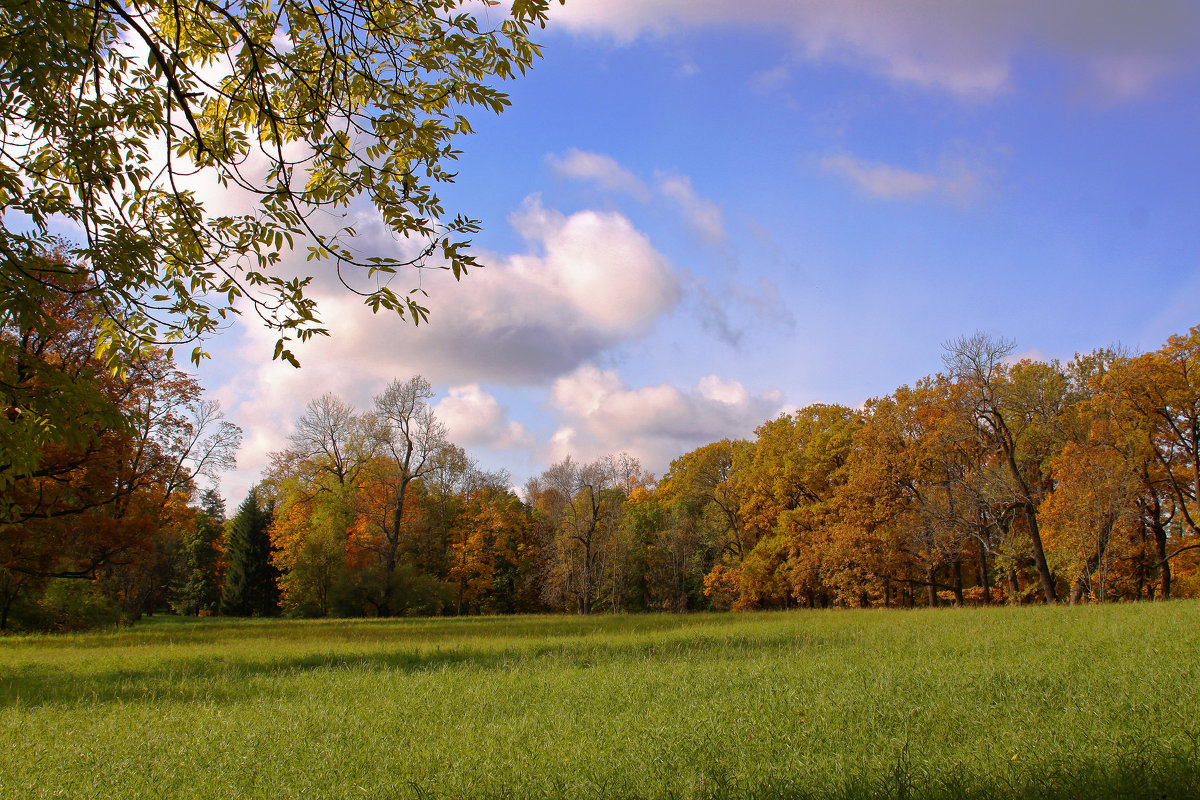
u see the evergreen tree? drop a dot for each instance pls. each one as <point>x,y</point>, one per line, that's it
<point>198,587</point>
<point>250,582</point>
<point>212,504</point>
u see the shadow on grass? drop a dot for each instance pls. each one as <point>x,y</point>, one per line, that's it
<point>1148,771</point>
<point>223,678</point>
<point>1145,773</point>
<point>1152,774</point>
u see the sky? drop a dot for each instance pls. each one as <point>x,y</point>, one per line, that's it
<point>699,214</point>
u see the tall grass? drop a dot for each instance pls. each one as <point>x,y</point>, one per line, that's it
<point>1030,702</point>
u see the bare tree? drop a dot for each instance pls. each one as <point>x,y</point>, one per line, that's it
<point>978,363</point>
<point>408,440</point>
<point>332,437</point>
<point>584,504</point>
<point>178,435</point>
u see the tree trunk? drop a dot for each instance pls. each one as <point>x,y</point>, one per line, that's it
<point>930,588</point>
<point>957,580</point>
<point>392,557</point>
<point>585,598</point>
<point>983,574</point>
<point>1014,586</point>
<point>1164,565</point>
<point>1049,592</point>
<point>1081,585</point>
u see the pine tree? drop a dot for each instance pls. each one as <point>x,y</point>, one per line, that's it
<point>250,588</point>
<point>212,504</point>
<point>198,587</point>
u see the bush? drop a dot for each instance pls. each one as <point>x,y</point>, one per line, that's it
<point>417,595</point>
<point>71,605</point>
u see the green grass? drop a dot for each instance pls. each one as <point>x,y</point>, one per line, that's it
<point>1033,702</point>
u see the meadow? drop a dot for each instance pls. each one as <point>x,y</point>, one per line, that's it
<point>1098,701</point>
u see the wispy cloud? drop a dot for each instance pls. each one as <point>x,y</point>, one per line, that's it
<point>702,214</point>
<point>956,179</point>
<point>602,170</point>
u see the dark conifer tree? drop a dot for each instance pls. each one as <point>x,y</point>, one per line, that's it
<point>250,581</point>
<point>198,588</point>
<point>212,504</point>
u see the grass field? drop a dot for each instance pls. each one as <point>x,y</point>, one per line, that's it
<point>1030,702</point>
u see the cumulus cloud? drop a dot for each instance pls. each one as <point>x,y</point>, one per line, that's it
<point>956,179</point>
<point>475,418</point>
<point>587,282</point>
<point>600,414</point>
<point>602,170</point>
<point>963,48</point>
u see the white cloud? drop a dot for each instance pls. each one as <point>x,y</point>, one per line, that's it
<point>966,48</point>
<point>602,170</point>
<point>956,179</point>
<point>475,418</point>
<point>600,415</point>
<point>702,214</point>
<point>588,282</point>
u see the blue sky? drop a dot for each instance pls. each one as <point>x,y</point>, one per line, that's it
<point>699,213</point>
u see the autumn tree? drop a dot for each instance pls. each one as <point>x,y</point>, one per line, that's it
<point>788,484</point>
<point>1159,400</point>
<point>493,554</point>
<point>309,536</point>
<point>879,507</point>
<point>105,497</point>
<point>314,485</point>
<point>52,393</point>
<point>1085,515</point>
<point>1011,409</point>
<point>452,480</point>
<point>919,496</point>
<point>703,483</point>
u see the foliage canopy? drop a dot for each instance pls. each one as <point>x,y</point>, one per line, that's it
<point>117,117</point>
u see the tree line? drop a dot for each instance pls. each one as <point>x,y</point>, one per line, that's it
<point>995,480</point>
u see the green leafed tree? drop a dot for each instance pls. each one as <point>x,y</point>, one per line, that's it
<point>192,143</point>
<point>250,581</point>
